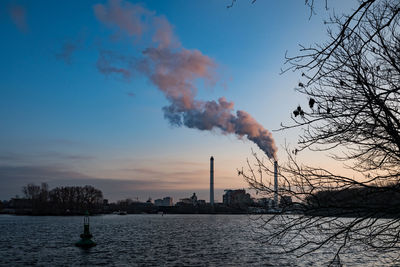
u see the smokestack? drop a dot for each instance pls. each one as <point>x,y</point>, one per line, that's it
<point>212,181</point>
<point>276,183</point>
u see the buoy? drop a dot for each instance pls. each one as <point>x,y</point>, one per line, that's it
<point>86,241</point>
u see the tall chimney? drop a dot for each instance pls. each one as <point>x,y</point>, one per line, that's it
<point>212,181</point>
<point>276,183</point>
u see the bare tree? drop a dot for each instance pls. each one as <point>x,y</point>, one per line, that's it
<point>352,84</point>
<point>31,191</point>
<point>76,198</point>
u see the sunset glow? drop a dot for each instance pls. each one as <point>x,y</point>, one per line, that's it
<point>134,97</point>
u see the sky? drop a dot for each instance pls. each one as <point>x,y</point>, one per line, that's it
<point>134,97</point>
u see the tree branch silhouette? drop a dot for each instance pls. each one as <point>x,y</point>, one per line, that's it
<point>352,83</point>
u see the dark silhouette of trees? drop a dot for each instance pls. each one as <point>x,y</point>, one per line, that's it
<point>352,84</point>
<point>63,200</point>
<point>31,191</point>
<point>38,195</point>
<point>76,199</point>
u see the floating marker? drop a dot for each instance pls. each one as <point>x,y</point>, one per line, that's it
<point>86,241</point>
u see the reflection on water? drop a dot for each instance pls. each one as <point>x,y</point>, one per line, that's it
<point>144,240</point>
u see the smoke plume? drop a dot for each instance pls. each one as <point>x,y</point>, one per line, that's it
<point>175,70</point>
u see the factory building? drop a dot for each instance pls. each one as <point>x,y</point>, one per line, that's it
<point>237,197</point>
<point>192,201</point>
<point>267,203</point>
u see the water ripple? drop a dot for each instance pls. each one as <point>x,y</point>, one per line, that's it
<point>143,240</point>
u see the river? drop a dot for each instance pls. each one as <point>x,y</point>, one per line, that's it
<point>146,240</point>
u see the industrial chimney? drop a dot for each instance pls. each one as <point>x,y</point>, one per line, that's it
<point>212,181</point>
<point>276,184</point>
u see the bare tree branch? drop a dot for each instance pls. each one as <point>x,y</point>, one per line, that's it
<point>352,83</point>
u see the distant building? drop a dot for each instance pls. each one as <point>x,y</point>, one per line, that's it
<point>186,201</point>
<point>265,202</point>
<point>192,201</point>
<point>237,197</point>
<point>201,202</point>
<point>165,202</point>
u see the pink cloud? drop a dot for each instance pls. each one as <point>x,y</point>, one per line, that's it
<point>123,15</point>
<point>175,72</point>
<point>164,35</point>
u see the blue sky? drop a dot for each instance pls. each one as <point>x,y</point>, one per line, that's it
<point>64,122</point>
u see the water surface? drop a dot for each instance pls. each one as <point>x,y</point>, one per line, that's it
<point>145,240</point>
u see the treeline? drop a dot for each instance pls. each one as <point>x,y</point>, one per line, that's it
<point>60,200</point>
<point>362,201</point>
<point>133,207</point>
